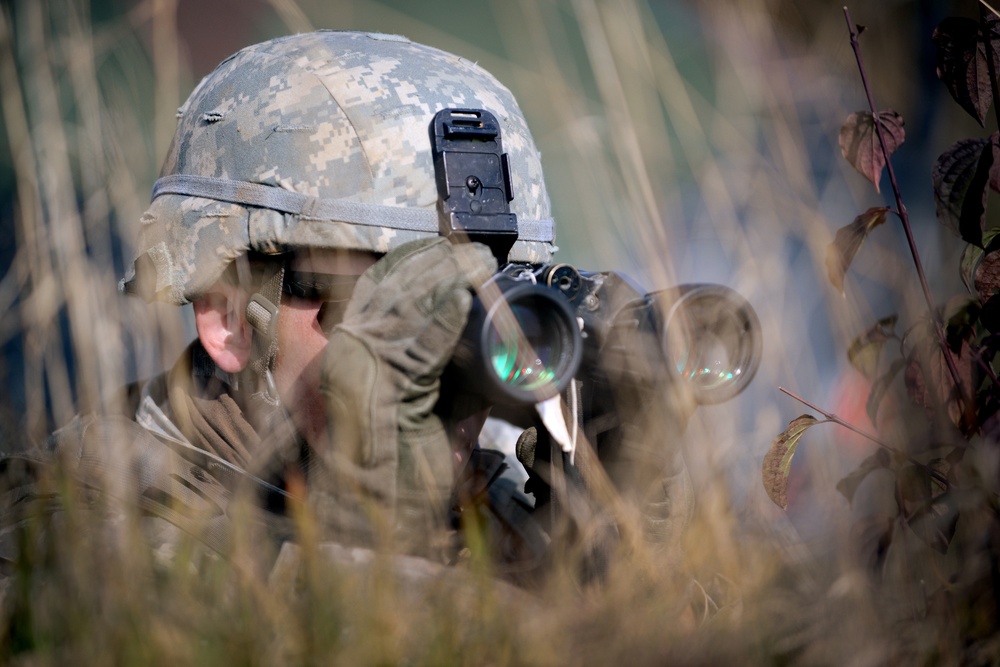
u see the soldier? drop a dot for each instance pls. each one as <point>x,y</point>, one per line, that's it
<point>297,211</point>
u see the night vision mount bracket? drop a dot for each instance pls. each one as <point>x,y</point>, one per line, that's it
<point>473,180</point>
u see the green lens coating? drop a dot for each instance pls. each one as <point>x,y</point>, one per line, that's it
<point>712,336</point>
<point>526,357</point>
<point>709,363</point>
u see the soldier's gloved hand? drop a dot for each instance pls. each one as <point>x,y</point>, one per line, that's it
<point>390,462</point>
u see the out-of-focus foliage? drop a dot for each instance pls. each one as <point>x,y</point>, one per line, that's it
<point>964,49</point>
<point>848,242</point>
<point>778,461</point>
<point>861,146</point>
<point>937,471</point>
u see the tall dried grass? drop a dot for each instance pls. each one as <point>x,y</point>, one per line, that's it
<point>694,142</point>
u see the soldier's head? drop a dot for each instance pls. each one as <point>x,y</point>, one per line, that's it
<point>295,165</point>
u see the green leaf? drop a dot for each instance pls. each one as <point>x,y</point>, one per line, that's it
<point>778,460</point>
<point>847,242</point>
<point>859,142</point>
<point>961,61</point>
<point>961,176</point>
<point>849,485</point>
<point>865,350</point>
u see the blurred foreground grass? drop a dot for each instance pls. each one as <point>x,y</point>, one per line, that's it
<point>690,142</point>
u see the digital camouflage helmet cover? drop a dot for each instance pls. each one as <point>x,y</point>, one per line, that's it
<point>319,140</point>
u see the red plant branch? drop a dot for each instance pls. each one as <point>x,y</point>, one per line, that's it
<point>851,427</point>
<point>837,420</point>
<point>905,219</point>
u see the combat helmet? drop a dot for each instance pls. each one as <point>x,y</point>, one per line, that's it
<point>319,140</point>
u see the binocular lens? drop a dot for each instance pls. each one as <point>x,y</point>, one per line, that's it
<point>709,363</point>
<point>527,356</point>
<point>713,339</point>
<point>523,345</point>
<point>529,344</point>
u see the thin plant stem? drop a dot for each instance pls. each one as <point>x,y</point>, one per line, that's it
<point>905,219</point>
<point>837,420</point>
<point>865,434</point>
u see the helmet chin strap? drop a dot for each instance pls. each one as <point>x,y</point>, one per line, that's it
<point>261,403</point>
<point>262,314</point>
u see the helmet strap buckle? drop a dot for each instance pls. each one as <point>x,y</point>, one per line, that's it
<point>262,312</point>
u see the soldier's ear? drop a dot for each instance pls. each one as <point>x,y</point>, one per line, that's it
<point>220,317</point>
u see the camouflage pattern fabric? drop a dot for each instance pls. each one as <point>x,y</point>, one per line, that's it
<point>340,116</point>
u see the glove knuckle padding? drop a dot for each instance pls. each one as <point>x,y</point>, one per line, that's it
<point>381,381</point>
<point>444,326</point>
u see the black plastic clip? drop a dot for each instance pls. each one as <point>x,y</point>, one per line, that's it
<point>473,180</point>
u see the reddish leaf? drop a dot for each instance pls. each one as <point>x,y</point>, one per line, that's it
<point>866,348</point>
<point>846,244</point>
<point>986,275</point>
<point>972,256</point>
<point>961,61</point>
<point>960,177</point>
<point>859,141</point>
<point>778,460</point>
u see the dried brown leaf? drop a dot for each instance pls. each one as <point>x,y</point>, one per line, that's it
<point>846,244</point>
<point>778,460</point>
<point>859,142</point>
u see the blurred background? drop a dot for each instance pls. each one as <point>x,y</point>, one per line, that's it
<point>685,141</point>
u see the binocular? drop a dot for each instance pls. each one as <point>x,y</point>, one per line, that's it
<point>533,329</point>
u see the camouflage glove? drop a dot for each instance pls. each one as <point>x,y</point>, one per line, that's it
<point>390,459</point>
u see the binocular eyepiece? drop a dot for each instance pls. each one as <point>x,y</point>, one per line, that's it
<point>532,330</point>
